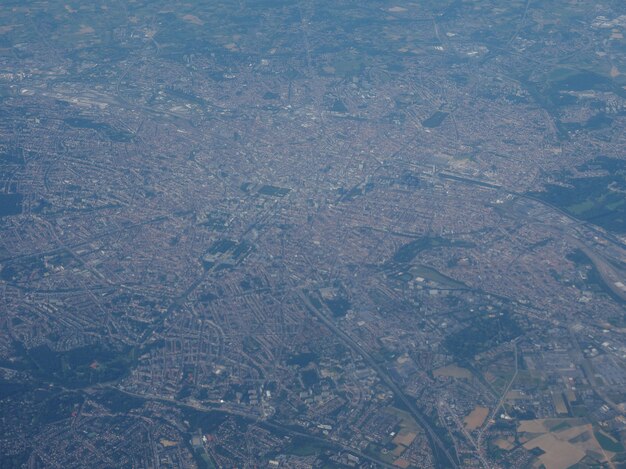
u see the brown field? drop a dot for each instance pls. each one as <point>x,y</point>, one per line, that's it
<point>533,426</point>
<point>403,463</point>
<point>404,437</point>
<point>476,418</point>
<point>453,371</point>
<point>564,447</point>
<point>407,433</point>
<point>557,454</point>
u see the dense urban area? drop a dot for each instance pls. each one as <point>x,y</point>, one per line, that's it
<point>313,234</point>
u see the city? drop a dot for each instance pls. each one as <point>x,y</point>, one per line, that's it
<point>313,234</point>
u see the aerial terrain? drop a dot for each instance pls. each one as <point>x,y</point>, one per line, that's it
<point>312,234</point>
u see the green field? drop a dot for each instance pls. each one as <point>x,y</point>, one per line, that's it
<point>608,443</point>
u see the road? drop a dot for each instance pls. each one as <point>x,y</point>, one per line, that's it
<point>439,448</point>
<point>492,417</point>
<point>585,364</point>
<point>257,420</point>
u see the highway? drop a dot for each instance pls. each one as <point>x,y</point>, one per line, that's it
<point>257,420</point>
<point>439,448</point>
